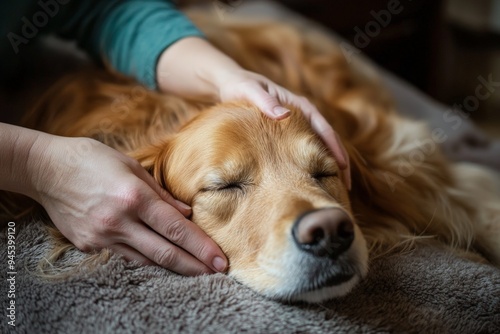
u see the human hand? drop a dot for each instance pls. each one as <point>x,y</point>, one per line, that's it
<point>214,76</point>
<point>270,98</point>
<point>99,198</point>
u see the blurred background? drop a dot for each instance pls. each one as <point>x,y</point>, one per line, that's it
<point>440,46</point>
<point>443,47</point>
<point>446,48</point>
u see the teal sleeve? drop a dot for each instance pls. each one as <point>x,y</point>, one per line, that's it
<point>128,35</point>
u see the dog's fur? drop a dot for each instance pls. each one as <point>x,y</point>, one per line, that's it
<point>249,178</point>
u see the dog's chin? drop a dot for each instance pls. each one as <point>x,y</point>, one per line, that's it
<point>329,287</point>
<point>300,277</point>
<point>337,286</point>
<point>327,292</point>
<point>312,294</point>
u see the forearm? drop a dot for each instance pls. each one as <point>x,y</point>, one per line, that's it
<point>192,67</point>
<point>127,35</point>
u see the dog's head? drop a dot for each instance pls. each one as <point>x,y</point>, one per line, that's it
<point>272,196</point>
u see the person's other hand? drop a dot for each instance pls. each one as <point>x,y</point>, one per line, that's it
<point>270,98</point>
<point>99,198</point>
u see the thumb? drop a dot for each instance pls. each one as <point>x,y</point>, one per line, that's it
<point>142,174</point>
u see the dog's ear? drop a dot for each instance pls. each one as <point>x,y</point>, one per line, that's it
<point>154,158</point>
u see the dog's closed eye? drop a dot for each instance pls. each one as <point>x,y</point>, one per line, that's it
<point>323,175</point>
<point>322,167</point>
<point>231,186</point>
<point>225,186</point>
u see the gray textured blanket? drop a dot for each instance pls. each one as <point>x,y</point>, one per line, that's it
<point>429,290</point>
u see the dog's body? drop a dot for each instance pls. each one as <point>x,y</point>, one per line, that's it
<point>266,191</point>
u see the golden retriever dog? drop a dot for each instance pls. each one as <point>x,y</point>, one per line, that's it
<point>269,192</point>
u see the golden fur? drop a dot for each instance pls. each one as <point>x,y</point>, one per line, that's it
<point>403,188</point>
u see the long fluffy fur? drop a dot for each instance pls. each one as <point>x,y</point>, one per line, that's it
<point>403,187</point>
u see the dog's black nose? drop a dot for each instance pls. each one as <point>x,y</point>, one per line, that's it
<point>324,232</point>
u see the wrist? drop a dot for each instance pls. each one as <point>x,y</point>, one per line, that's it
<point>52,160</point>
<point>17,146</point>
<point>228,79</point>
<point>193,68</point>
<point>38,165</point>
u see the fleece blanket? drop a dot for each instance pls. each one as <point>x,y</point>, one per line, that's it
<point>427,290</point>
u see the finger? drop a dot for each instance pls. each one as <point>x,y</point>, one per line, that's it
<point>267,103</point>
<point>323,129</point>
<point>346,173</point>
<point>130,254</point>
<point>326,132</point>
<point>162,252</point>
<point>318,122</point>
<point>164,195</point>
<point>182,232</point>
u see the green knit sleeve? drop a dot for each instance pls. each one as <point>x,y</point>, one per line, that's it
<point>128,35</point>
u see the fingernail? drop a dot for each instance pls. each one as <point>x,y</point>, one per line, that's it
<point>219,264</point>
<point>279,111</point>
<point>183,205</point>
